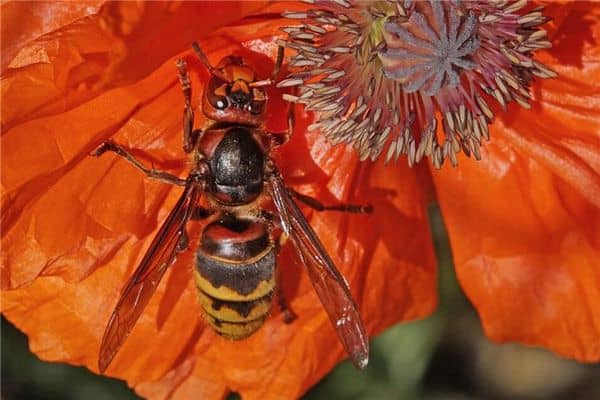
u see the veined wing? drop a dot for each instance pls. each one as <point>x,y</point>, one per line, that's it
<point>330,285</point>
<point>140,287</point>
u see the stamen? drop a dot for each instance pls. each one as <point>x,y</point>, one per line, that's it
<point>384,76</point>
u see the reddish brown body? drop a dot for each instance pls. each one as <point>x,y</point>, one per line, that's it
<point>248,212</point>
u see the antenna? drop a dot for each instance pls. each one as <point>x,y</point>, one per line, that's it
<point>206,63</point>
<point>276,68</point>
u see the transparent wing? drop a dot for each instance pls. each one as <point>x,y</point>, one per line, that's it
<point>140,287</point>
<point>330,285</point>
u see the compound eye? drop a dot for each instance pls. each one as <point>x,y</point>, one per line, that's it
<point>217,94</point>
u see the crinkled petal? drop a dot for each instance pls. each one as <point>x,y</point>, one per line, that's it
<point>88,50</point>
<point>42,144</point>
<point>524,222</point>
<point>75,227</point>
<point>25,21</point>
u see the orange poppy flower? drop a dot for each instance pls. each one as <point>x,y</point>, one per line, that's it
<point>523,221</point>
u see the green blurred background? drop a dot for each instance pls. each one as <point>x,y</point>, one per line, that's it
<point>444,356</point>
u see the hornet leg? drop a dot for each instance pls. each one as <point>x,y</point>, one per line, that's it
<point>288,314</point>
<point>149,172</point>
<point>281,138</point>
<point>278,63</point>
<point>190,136</point>
<point>315,204</point>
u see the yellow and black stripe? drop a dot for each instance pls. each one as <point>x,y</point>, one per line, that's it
<point>235,275</point>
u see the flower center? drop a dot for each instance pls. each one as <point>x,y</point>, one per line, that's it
<point>413,77</point>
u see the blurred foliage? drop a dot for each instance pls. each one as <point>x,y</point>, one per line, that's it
<point>25,377</point>
<point>443,357</point>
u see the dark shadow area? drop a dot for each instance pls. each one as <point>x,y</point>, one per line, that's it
<point>574,34</point>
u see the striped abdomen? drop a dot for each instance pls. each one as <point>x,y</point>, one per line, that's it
<point>235,275</point>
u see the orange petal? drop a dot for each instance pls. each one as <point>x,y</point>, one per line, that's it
<point>75,227</point>
<point>56,67</point>
<point>38,154</point>
<point>25,21</point>
<point>389,266</point>
<point>524,222</point>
